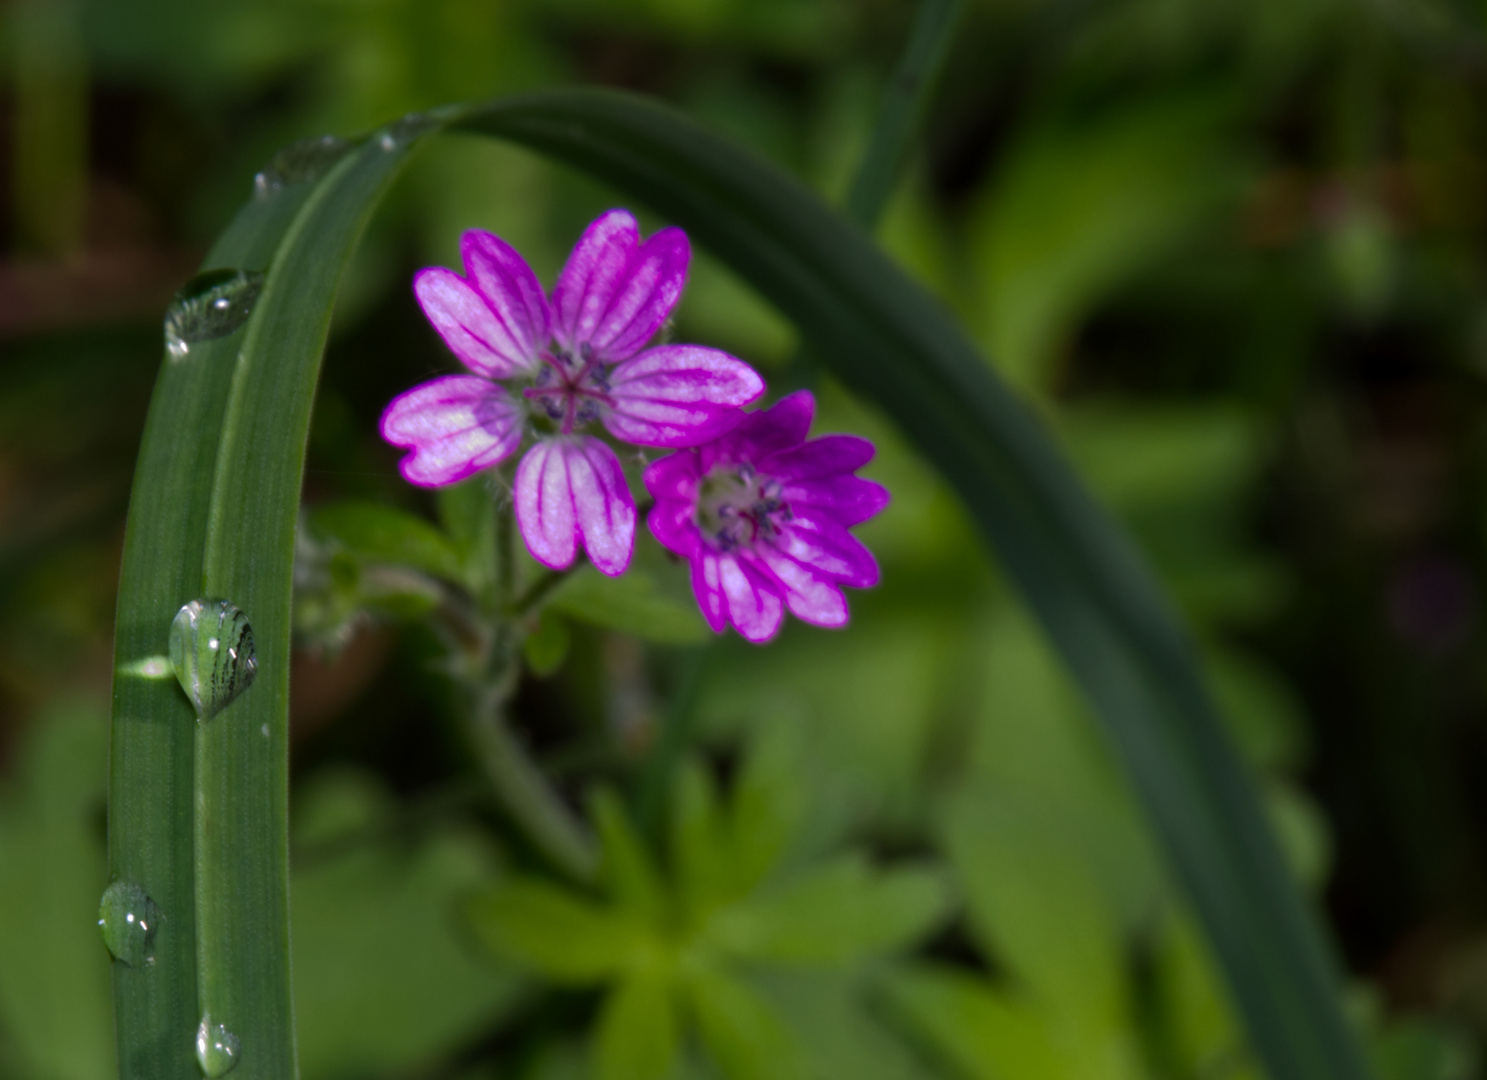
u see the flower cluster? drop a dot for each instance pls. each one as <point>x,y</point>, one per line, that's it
<point>761,513</point>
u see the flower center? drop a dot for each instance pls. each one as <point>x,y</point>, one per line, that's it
<point>570,389</point>
<point>736,506</point>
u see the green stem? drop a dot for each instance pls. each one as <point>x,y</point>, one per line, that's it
<point>538,591</point>
<point>903,104</point>
<point>523,792</point>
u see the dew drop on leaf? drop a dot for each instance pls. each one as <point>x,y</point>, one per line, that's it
<point>129,920</point>
<point>216,1048</point>
<point>211,650</point>
<point>299,163</point>
<point>406,129</point>
<point>211,305</point>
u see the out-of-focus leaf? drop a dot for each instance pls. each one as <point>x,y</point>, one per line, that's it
<point>627,869</point>
<point>1077,209</point>
<point>374,533</point>
<point>699,844</point>
<point>766,805</point>
<point>1424,1049</point>
<point>382,980</point>
<point>1302,832</point>
<point>1035,905</point>
<point>54,1001</point>
<point>838,1023</point>
<point>743,1032</point>
<point>833,914</point>
<point>632,604</point>
<point>556,933</point>
<point>638,1032</point>
<point>1197,1023</point>
<point>546,647</point>
<point>984,1033</point>
<point>468,513</point>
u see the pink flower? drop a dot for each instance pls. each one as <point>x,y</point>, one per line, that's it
<point>762,514</point>
<point>578,357</point>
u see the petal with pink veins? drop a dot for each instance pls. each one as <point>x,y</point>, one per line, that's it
<point>455,426</point>
<point>818,541</point>
<point>810,597</point>
<point>672,522</point>
<point>485,341</point>
<point>679,395</point>
<point>754,604</point>
<point>674,476</point>
<point>570,491</point>
<point>849,499</point>
<point>509,286</point>
<point>707,584</point>
<point>594,273</point>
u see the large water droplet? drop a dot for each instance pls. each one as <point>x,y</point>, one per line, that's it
<point>299,163</point>
<point>129,920</point>
<point>211,649</point>
<point>216,1048</point>
<point>211,305</point>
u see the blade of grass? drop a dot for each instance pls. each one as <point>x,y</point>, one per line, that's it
<point>242,755</point>
<point>150,837</point>
<point>889,340</point>
<point>903,106</point>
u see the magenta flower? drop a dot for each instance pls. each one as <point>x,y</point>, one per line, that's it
<point>762,514</point>
<point>578,358</point>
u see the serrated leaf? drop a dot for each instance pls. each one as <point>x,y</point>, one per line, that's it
<point>547,929</point>
<point>630,603</point>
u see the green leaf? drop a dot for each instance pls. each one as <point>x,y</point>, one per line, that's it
<point>631,604</point>
<point>468,513</point>
<point>627,869</point>
<point>383,980</point>
<point>54,1007</point>
<point>742,1031</point>
<point>833,914</point>
<point>556,933</point>
<point>699,844</point>
<point>887,339</point>
<point>983,1033</point>
<point>766,805</point>
<point>381,534</point>
<point>638,1033</point>
<point>546,647</point>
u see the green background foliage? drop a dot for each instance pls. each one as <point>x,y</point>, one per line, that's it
<point>1231,250</point>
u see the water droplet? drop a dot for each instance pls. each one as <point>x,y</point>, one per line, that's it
<point>403,131</point>
<point>299,163</point>
<point>211,649</point>
<point>216,1048</point>
<point>129,920</point>
<point>211,305</point>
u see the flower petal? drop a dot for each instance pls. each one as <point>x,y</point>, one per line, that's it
<point>707,585</point>
<point>510,287</point>
<point>815,539</point>
<point>674,476</point>
<point>811,597</point>
<point>679,395</point>
<point>455,426</point>
<point>614,292</point>
<point>754,603</point>
<point>779,427</point>
<point>470,326</point>
<point>829,455</point>
<point>571,491</point>
<point>849,499</point>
